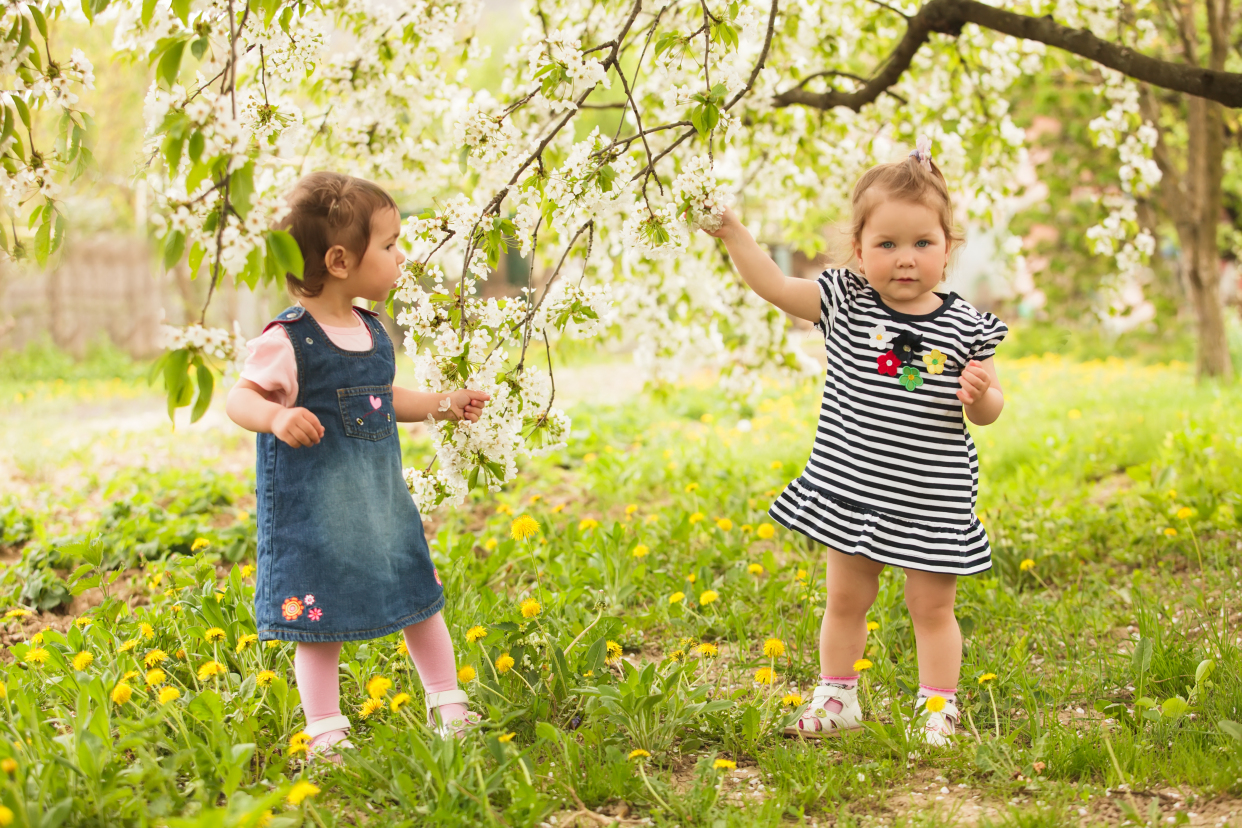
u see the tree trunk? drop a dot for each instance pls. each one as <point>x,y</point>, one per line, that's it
<point>1201,258</point>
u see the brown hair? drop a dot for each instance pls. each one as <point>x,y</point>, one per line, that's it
<point>327,209</point>
<point>906,181</point>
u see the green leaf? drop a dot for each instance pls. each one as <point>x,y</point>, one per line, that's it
<point>1142,656</point>
<point>197,251</point>
<point>1230,728</point>
<point>206,385</point>
<point>174,246</point>
<point>148,10</point>
<point>284,249</point>
<point>23,111</point>
<point>176,379</point>
<point>181,8</point>
<point>241,188</point>
<point>546,731</point>
<point>169,66</point>
<point>1174,708</point>
<point>198,47</point>
<point>39,20</point>
<point>43,243</point>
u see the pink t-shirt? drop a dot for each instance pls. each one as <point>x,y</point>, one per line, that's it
<point>273,367</point>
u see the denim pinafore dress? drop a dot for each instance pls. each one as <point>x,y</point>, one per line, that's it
<point>342,556</point>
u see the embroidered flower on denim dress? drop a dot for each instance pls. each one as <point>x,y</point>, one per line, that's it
<point>888,363</point>
<point>291,609</point>
<point>315,614</point>
<point>309,600</point>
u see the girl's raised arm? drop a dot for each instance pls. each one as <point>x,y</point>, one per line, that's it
<point>798,297</point>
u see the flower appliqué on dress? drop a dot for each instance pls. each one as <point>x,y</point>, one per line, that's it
<point>906,346</point>
<point>879,337</point>
<point>436,572</point>
<point>910,377</point>
<point>315,614</point>
<point>888,363</point>
<point>935,361</point>
<point>309,600</point>
<point>291,609</point>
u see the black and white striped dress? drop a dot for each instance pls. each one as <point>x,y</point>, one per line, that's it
<point>893,475</point>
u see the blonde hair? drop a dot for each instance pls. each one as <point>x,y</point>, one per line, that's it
<point>907,181</point>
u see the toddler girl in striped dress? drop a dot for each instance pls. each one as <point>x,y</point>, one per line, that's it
<point>893,475</point>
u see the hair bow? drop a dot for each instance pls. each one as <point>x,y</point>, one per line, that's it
<point>922,152</point>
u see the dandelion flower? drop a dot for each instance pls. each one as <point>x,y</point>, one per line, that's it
<point>587,524</point>
<point>214,634</point>
<point>399,701</point>
<point>506,739</point>
<point>378,687</point>
<point>1170,532</point>
<point>466,674</point>
<point>755,569</point>
<point>800,575</point>
<point>127,646</point>
<point>505,663</point>
<point>1185,513</point>
<point>697,516</point>
<point>631,509</point>
<point>724,764</point>
<point>724,524</point>
<point>862,665</point>
<point>987,677</point>
<point>298,742</point>
<point>199,544</point>
<point>765,531</point>
<point>36,655</point>
<point>707,596</point>
<point>676,656</point>
<point>8,765</point>
<point>210,669</point>
<point>155,657</point>
<point>764,675</point>
<point>83,622</point>
<point>676,597</point>
<point>371,707</point>
<point>476,633</point>
<point>490,544</point>
<point>641,551</point>
<point>155,676</point>
<point>638,753</point>
<point>692,487</point>
<point>301,790</point>
<point>524,527</point>
<point>773,648</point>
<point>82,660</point>
<point>691,577</point>
<point>652,518</point>
<point>129,674</point>
<point>169,694</point>
<point>614,653</point>
<point>791,700</point>
<point>147,630</point>
<point>708,650</point>
<point>245,641</point>
<point>121,693</point>
<point>535,498</point>
<point>775,464</point>
<point>530,608</point>
<point>17,612</point>
<point>1074,414</point>
<point>263,678</point>
<point>247,570</point>
<point>934,704</point>
<point>872,626</point>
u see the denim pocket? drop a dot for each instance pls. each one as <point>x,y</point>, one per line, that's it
<point>367,411</point>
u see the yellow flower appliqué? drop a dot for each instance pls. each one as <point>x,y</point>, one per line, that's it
<point>934,361</point>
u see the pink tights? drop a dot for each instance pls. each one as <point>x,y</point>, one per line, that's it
<point>317,669</point>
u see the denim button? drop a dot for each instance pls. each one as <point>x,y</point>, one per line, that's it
<point>310,341</point>
<point>358,421</point>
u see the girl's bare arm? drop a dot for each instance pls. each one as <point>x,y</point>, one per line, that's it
<point>248,405</point>
<point>797,297</point>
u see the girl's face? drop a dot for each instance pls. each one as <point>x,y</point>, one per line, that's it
<point>377,272</point>
<point>902,250</point>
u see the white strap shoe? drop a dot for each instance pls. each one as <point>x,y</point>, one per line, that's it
<point>818,721</point>
<point>941,725</point>
<point>456,726</point>
<point>321,727</point>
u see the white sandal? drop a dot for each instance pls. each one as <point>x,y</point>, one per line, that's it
<point>458,726</point>
<point>328,752</point>
<point>941,725</point>
<point>817,721</point>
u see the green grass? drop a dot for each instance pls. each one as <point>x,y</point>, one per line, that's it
<point>1122,608</point>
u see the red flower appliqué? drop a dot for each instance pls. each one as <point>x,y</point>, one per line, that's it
<point>315,614</point>
<point>888,363</point>
<point>291,609</point>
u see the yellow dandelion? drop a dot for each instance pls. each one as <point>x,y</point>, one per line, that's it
<point>17,612</point>
<point>399,701</point>
<point>800,575</point>
<point>504,663</point>
<point>6,815</point>
<point>371,707</point>
<point>934,704</point>
<point>1185,513</point>
<point>476,633</point>
<point>765,531</point>
<point>210,669</point>
<point>298,742</point>
<point>147,630</point>
<point>587,524</point>
<point>764,675</point>
<point>155,676</point>
<point>378,687</point>
<point>631,509</point>
<point>524,527</point>
<point>708,596</point>
<point>535,498</point>
<point>1074,414</point>
<point>862,665</point>
<point>155,657</point>
<point>506,739</point>
<point>121,693</point>
<point>691,577</point>
<point>401,647</point>
<point>724,524</point>
<point>246,640</point>
<point>36,655</point>
<point>708,650</point>
<point>8,765</point>
<point>692,487</point>
<point>677,597</point>
<point>1027,565</point>
<point>676,656</point>
<point>466,674</point>
<point>37,638</point>
<point>614,652</point>
<point>697,516</point>
<point>987,677</point>
<point>169,694</point>
<point>214,634</point>
<point>83,660</point>
<point>127,646</point>
<point>199,544</point>
<point>301,790</point>
<point>724,764</point>
<point>638,753</point>
<point>755,569</point>
<point>1170,532</point>
<point>872,626</point>
<point>129,674</point>
<point>263,678</point>
<point>504,509</point>
<point>791,700</point>
<point>243,516</point>
<point>652,518</point>
<point>490,544</point>
<point>82,622</point>
<point>641,551</point>
<point>558,508</point>
<point>530,608</point>
<point>773,648</point>
<point>181,651</point>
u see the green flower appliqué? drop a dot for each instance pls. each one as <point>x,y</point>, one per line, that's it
<point>910,377</point>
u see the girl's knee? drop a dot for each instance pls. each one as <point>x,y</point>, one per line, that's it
<point>929,606</point>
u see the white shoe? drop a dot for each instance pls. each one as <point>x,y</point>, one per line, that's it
<point>941,725</point>
<point>454,727</point>
<point>328,752</point>
<point>818,722</point>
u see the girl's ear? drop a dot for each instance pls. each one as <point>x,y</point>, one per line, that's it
<point>337,261</point>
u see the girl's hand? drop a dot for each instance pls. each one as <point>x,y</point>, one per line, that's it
<point>728,226</point>
<point>975,382</point>
<point>466,404</point>
<point>297,427</point>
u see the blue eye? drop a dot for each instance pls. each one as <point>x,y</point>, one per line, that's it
<point>888,245</point>
<point>922,243</point>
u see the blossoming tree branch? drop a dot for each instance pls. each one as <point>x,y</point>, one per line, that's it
<point>617,130</point>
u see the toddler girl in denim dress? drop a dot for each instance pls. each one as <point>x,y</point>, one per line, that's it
<point>342,555</point>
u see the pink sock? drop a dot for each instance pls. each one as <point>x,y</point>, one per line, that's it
<point>432,650</point>
<point>849,682</point>
<point>926,691</point>
<point>316,668</point>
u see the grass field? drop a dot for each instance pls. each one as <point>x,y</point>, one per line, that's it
<point>1101,679</point>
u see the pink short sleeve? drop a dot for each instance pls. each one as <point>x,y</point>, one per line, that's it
<point>272,365</point>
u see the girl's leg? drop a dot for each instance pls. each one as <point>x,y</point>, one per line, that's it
<point>432,650</point>
<point>316,669</point>
<point>852,585</point>
<point>930,597</point>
